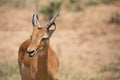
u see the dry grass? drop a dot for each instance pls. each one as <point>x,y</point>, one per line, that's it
<point>9,71</point>
<point>89,48</point>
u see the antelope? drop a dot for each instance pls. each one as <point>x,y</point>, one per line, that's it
<point>36,59</point>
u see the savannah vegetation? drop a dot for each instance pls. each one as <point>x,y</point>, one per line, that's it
<point>87,39</point>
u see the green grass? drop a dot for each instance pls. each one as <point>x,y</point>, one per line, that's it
<point>108,1</point>
<point>51,10</point>
<point>111,68</point>
<point>111,71</point>
<point>74,5</point>
<point>95,2</point>
<point>13,3</point>
<point>92,3</point>
<point>9,71</point>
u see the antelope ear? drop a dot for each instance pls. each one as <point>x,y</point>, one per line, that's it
<point>51,30</point>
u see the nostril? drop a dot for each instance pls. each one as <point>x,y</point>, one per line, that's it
<point>30,52</point>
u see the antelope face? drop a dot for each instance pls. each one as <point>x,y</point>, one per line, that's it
<point>39,41</point>
<point>40,36</point>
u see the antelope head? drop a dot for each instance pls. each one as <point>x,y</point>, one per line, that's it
<point>40,35</point>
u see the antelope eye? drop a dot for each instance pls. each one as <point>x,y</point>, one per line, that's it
<point>39,28</point>
<point>43,39</point>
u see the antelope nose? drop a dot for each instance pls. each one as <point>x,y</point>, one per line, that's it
<point>31,53</point>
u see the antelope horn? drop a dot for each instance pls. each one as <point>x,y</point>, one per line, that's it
<point>52,20</point>
<point>35,19</point>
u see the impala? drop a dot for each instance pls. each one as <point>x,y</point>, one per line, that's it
<point>37,60</point>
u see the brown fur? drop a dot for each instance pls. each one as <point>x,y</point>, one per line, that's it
<point>39,67</point>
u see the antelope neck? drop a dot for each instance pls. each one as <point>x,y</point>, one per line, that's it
<point>43,69</point>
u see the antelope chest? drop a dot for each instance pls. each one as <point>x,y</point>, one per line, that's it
<point>29,68</point>
<point>25,72</point>
<point>37,69</point>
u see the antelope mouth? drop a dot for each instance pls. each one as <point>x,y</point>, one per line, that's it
<point>34,52</point>
<point>31,54</point>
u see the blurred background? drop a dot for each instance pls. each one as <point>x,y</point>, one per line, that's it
<point>87,39</point>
